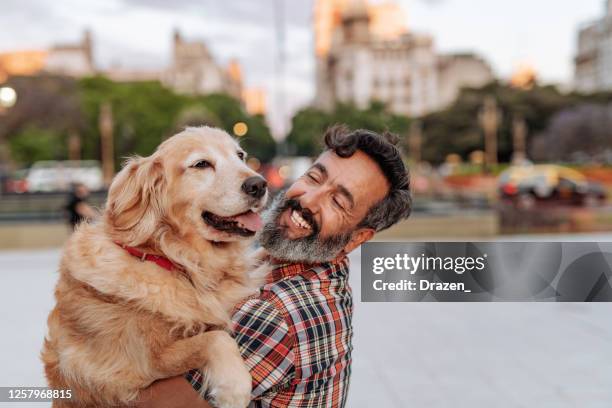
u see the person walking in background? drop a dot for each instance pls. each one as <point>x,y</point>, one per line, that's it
<point>77,208</point>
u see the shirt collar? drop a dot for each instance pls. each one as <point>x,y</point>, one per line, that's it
<point>284,270</point>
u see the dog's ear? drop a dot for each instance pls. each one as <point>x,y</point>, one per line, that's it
<point>136,200</point>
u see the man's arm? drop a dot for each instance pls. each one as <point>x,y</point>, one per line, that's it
<point>172,392</point>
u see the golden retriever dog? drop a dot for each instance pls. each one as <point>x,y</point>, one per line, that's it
<point>147,291</point>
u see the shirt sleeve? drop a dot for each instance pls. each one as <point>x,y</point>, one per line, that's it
<point>265,343</point>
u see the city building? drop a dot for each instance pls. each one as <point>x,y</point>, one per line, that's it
<point>17,63</point>
<point>456,71</point>
<point>193,70</point>
<point>254,100</point>
<point>74,60</point>
<point>366,53</point>
<point>524,76</point>
<point>118,73</point>
<point>593,62</point>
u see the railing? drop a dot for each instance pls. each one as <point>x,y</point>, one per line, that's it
<point>40,206</point>
<point>50,206</point>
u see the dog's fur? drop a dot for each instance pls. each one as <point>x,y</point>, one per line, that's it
<point>120,323</point>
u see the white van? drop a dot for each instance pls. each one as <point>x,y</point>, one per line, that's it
<point>52,175</point>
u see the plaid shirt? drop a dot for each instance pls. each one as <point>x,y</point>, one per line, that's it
<point>295,337</point>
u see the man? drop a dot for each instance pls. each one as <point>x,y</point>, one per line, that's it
<point>295,337</point>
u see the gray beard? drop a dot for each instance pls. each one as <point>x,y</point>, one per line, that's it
<point>310,249</point>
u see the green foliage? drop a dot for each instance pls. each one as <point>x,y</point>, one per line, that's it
<point>457,129</point>
<point>257,142</point>
<point>307,128</point>
<point>144,114</point>
<point>309,125</point>
<point>32,144</point>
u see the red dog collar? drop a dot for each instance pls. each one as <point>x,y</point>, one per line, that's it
<point>143,256</point>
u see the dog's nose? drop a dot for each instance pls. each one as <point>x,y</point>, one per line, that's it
<point>255,186</point>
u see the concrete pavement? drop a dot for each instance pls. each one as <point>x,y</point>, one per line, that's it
<point>406,355</point>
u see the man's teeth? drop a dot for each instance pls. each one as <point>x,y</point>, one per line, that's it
<point>298,220</point>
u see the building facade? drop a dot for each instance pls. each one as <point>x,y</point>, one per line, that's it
<point>75,60</point>
<point>593,62</point>
<point>254,100</point>
<point>193,70</point>
<point>24,62</point>
<point>360,60</point>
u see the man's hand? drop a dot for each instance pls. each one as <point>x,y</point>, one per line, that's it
<point>173,392</point>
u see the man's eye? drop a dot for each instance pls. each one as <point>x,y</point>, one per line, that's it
<point>241,156</point>
<point>312,177</point>
<point>337,204</point>
<point>202,164</point>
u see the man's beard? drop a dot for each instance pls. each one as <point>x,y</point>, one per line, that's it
<point>309,249</point>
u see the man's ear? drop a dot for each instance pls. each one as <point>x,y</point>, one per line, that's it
<point>359,237</point>
<point>135,200</point>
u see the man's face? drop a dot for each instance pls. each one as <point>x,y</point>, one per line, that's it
<point>317,217</point>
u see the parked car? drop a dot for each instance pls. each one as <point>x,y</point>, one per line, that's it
<point>17,182</point>
<point>527,185</point>
<point>61,175</point>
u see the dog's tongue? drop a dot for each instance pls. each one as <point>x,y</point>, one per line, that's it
<point>250,221</point>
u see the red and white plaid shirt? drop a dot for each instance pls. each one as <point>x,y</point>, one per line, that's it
<point>295,337</point>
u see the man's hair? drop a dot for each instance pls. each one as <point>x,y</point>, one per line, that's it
<point>383,149</point>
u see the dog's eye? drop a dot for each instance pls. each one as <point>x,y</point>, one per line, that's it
<point>241,156</point>
<point>202,164</point>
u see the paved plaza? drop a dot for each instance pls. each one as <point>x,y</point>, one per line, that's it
<point>406,354</point>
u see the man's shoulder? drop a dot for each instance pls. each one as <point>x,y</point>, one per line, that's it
<point>313,284</point>
<point>289,276</point>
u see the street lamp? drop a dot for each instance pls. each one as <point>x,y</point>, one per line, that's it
<point>490,118</point>
<point>8,98</point>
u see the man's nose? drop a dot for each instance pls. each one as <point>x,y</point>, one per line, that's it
<point>255,186</point>
<point>310,200</point>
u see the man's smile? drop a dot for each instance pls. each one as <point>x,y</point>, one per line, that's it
<point>295,224</point>
<point>299,221</point>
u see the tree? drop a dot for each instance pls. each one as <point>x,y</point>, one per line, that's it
<point>144,114</point>
<point>456,129</point>
<point>32,144</point>
<point>309,125</point>
<point>580,130</point>
<point>47,109</point>
<point>196,115</point>
<point>258,141</point>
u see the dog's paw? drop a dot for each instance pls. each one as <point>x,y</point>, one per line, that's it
<point>231,389</point>
<point>228,378</point>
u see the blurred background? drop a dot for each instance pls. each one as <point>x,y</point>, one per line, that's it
<point>504,110</point>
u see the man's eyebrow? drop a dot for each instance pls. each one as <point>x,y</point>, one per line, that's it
<point>344,191</point>
<point>321,168</point>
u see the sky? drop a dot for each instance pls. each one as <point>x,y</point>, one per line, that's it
<point>137,34</point>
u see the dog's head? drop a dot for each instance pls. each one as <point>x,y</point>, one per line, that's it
<point>196,185</point>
